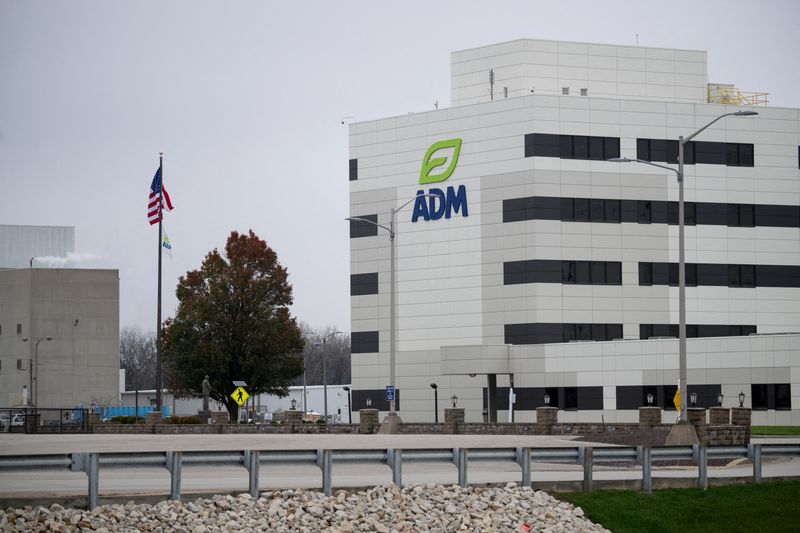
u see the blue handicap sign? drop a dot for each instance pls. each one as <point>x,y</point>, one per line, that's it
<point>389,393</point>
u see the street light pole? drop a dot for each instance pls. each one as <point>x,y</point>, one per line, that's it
<point>392,286</point>
<point>682,252</point>
<point>35,368</point>
<point>349,409</point>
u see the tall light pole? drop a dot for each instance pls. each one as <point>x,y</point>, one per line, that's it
<point>681,249</point>
<point>392,286</point>
<point>325,370</point>
<point>349,410</point>
<point>35,367</point>
<point>435,388</point>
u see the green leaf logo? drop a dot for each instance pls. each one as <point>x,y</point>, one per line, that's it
<point>429,163</point>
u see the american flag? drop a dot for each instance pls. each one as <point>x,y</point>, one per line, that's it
<point>153,212</point>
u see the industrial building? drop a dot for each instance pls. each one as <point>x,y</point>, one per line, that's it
<point>525,259</point>
<point>70,318</point>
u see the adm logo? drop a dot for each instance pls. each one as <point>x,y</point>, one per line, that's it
<point>439,203</point>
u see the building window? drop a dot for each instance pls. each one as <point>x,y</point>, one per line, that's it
<point>361,284</point>
<point>721,275</point>
<point>648,211</point>
<point>771,396</point>
<point>353,169</point>
<point>584,92</point>
<point>571,146</point>
<point>568,272</point>
<point>649,331</point>
<point>19,329</point>
<point>545,333</point>
<point>364,342</point>
<point>359,228</point>
<point>565,91</point>
<point>711,153</point>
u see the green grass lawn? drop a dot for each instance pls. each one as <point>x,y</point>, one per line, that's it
<point>769,507</point>
<point>775,430</point>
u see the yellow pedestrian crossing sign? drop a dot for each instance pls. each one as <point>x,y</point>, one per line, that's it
<point>240,396</point>
<point>677,399</point>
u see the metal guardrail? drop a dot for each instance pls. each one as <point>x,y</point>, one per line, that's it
<point>251,460</point>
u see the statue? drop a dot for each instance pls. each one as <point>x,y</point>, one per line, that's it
<point>206,392</point>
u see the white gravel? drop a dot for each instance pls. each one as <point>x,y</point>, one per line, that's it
<point>385,509</point>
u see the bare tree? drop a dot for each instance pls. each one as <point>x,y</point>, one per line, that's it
<point>337,352</point>
<point>137,356</point>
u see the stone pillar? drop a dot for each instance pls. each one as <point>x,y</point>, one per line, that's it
<point>649,416</point>
<point>453,419</point>
<point>718,416</point>
<point>92,419</point>
<point>152,418</point>
<point>545,418</point>
<point>293,417</point>
<point>697,418</point>
<point>741,416</point>
<point>368,420</point>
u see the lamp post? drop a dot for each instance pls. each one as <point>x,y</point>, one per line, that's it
<point>34,370</point>
<point>435,388</point>
<point>349,410</point>
<point>391,228</point>
<point>681,249</point>
<point>325,370</point>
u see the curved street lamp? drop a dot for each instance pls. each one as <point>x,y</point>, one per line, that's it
<point>681,248</point>
<point>392,284</point>
<point>34,370</point>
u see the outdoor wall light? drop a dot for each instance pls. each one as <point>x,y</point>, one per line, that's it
<point>719,399</point>
<point>294,404</point>
<point>369,402</point>
<point>741,399</point>
<point>454,399</point>
<point>547,399</point>
<point>649,398</point>
<point>693,399</point>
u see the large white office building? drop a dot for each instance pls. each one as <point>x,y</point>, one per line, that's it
<point>535,263</point>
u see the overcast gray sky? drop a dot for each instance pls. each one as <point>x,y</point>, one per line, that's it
<point>245,99</point>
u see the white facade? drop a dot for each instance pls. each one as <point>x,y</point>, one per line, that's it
<point>453,273</point>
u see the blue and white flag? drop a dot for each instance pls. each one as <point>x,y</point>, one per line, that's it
<point>166,243</point>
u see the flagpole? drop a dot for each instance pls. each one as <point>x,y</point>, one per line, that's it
<point>158,314</point>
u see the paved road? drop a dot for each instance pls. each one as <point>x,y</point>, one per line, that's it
<point>119,482</point>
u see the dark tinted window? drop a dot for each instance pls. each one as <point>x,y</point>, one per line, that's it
<point>596,148</point>
<point>353,169</point>
<point>612,147</point>
<point>648,211</point>
<point>580,147</point>
<point>543,333</point>
<point>614,273</point>
<point>612,210</point>
<point>361,284</point>
<point>541,144</point>
<point>364,342</point>
<point>645,273</point>
<point>581,209</point>
<point>643,149</point>
<point>359,228</point>
<point>710,153</point>
<point>645,211</point>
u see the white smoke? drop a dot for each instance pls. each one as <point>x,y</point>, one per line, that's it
<point>70,259</point>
